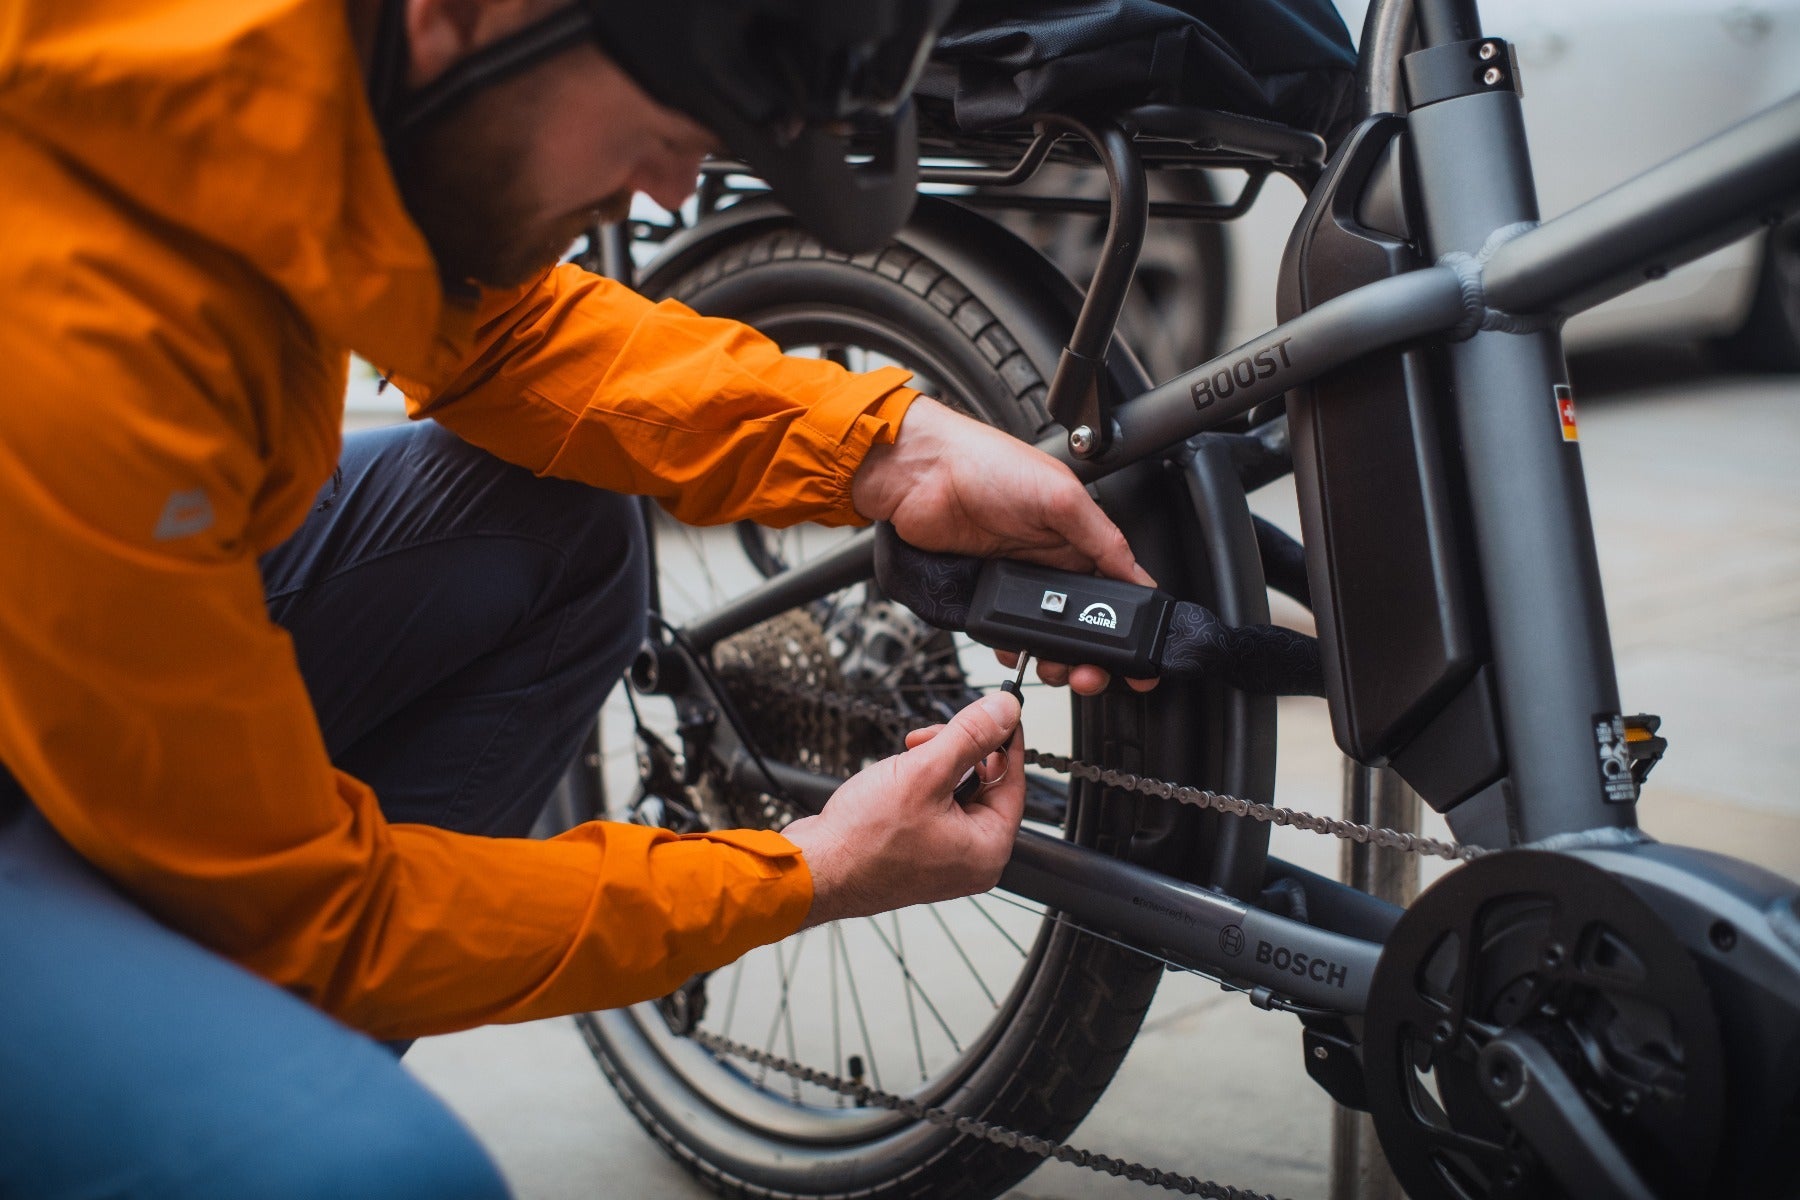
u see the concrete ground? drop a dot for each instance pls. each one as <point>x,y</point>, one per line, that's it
<point>1696,494</point>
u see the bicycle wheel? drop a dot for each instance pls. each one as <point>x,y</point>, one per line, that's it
<point>976,1005</point>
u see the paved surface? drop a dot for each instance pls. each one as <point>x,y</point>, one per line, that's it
<point>1697,497</point>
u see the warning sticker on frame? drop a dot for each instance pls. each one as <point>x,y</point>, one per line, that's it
<point>1565,411</point>
<point>1615,759</point>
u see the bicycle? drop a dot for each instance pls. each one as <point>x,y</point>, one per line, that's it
<point>1574,1011</point>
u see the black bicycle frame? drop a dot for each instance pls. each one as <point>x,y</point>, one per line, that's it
<point>1496,295</point>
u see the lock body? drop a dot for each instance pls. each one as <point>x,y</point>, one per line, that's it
<point>1065,617</point>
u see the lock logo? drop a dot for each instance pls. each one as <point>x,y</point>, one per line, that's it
<point>1099,614</point>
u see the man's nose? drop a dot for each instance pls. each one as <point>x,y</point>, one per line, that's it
<point>669,183</point>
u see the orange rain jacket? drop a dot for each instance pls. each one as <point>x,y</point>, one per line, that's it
<point>197,225</point>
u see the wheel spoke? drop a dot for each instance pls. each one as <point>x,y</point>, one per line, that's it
<point>1013,942</point>
<point>731,1000</point>
<point>911,985</point>
<point>856,1003</point>
<point>690,603</point>
<point>787,1011</point>
<point>956,945</point>
<point>898,949</point>
<point>783,1021</point>
<point>702,559</point>
<point>837,1038</point>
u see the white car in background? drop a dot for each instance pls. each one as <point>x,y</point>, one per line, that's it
<point>1611,88</point>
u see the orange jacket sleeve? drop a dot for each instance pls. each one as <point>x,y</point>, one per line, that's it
<point>580,377</point>
<point>157,718</point>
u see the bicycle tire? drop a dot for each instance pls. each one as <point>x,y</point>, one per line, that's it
<point>1052,1048</point>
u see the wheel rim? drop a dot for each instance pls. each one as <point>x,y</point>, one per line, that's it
<point>929,963</point>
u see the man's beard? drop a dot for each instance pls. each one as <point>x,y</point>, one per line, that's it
<point>464,182</point>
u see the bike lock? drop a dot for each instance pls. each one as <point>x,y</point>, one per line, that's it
<point>1068,617</point>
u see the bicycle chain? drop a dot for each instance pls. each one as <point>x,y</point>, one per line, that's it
<point>898,722</point>
<point>1001,1135</point>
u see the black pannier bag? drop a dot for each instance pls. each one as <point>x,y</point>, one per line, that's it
<point>999,61</point>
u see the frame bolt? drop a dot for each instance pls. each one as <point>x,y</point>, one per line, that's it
<point>1443,1033</point>
<point>1488,51</point>
<point>1321,1053</point>
<point>1553,956</point>
<point>644,668</point>
<point>1491,76</point>
<point>1082,441</point>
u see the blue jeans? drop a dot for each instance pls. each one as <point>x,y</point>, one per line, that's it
<point>458,622</point>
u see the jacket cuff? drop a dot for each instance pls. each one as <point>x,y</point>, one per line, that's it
<point>782,904</point>
<point>849,426</point>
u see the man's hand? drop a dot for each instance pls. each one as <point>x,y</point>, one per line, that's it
<point>892,836</point>
<point>952,484</point>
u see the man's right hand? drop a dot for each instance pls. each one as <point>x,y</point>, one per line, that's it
<point>893,836</point>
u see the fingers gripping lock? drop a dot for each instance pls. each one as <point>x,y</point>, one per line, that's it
<point>972,782</point>
<point>1067,617</point>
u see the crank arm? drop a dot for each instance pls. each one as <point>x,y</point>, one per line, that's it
<point>1522,1077</point>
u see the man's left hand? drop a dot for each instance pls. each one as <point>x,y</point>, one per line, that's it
<point>952,484</point>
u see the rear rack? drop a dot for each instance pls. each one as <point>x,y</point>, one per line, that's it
<point>1127,145</point>
<point>1167,135</point>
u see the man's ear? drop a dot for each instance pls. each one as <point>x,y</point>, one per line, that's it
<point>440,33</point>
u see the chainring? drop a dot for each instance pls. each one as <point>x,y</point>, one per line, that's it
<point>1563,949</point>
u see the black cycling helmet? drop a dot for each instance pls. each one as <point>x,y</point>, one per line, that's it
<point>783,83</point>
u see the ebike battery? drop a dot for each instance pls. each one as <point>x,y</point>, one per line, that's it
<point>1064,616</point>
<point>1390,556</point>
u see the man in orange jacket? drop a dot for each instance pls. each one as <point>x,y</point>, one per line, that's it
<point>253,719</point>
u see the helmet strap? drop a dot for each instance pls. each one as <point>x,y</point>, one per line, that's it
<point>387,69</point>
<point>489,65</point>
